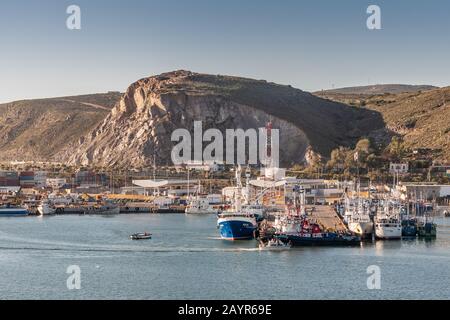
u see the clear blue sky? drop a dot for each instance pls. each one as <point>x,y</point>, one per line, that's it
<point>310,44</point>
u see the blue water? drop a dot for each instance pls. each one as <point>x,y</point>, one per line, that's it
<point>187,260</point>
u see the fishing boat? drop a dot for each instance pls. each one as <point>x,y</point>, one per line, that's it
<point>426,228</point>
<point>13,211</point>
<point>251,206</point>
<point>357,214</point>
<point>200,205</point>
<point>388,228</point>
<point>141,236</point>
<point>388,224</point>
<point>236,226</point>
<point>46,208</point>
<point>359,221</point>
<point>409,227</point>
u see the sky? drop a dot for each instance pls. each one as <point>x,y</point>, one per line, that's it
<point>310,44</point>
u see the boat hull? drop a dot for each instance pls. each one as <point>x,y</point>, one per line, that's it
<point>326,240</point>
<point>236,229</point>
<point>44,210</point>
<point>427,231</point>
<point>140,236</point>
<point>363,229</point>
<point>388,233</point>
<point>14,212</point>
<point>200,211</point>
<point>409,231</point>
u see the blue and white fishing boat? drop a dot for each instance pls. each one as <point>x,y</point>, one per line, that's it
<point>13,211</point>
<point>237,224</point>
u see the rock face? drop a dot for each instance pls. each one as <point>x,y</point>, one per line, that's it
<point>139,127</point>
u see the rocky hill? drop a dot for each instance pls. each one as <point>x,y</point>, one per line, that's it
<point>114,129</point>
<point>421,118</point>
<point>38,129</point>
<point>140,125</point>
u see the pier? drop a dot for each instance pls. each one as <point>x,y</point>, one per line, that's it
<point>327,217</point>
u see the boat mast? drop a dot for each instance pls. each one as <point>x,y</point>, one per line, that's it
<point>188,191</point>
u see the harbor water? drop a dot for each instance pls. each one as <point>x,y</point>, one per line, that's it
<point>186,259</point>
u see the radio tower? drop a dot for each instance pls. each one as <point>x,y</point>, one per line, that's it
<point>269,145</point>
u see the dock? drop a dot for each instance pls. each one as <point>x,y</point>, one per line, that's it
<point>327,217</point>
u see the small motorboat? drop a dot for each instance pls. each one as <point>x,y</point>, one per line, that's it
<point>274,245</point>
<point>447,213</point>
<point>141,236</point>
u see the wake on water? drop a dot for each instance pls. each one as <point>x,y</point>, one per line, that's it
<point>18,243</point>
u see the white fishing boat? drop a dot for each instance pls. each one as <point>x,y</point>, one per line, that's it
<point>362,228</point>
<point>357,214</point>
<point>388,228</point>
<point>200,205</point>
<point>388,224</point>
<point>46,208</point>
<point>359,221</point>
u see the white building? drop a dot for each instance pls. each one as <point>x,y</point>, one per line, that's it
<point>55,183</point>
<point>210,166</point>
<point>174,188</point>
<point>398,168</point>
<point>40,179</point>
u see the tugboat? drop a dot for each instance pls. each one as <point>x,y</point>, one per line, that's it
<point>141,236</point>
<point>297,230</point>
<point>312,235</point>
